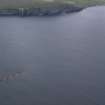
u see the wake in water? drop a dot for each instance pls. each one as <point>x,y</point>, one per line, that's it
<point>10,76</point>
<point>18,72</point>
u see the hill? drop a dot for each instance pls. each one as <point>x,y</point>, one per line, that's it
<point>43,3</point>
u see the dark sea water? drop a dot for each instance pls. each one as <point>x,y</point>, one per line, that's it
<point>53,60</point>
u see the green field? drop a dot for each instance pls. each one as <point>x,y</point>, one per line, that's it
<point>42,3</point>
<point>88,2</point>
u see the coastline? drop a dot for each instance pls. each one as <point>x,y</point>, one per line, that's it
<point>47,11</point>
<point>45,7</point>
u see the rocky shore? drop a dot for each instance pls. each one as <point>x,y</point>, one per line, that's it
<point>47,11</point>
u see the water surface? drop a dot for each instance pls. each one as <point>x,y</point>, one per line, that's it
<point>53,60</point>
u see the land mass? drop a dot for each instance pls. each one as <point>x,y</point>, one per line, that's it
<point>44,7</point>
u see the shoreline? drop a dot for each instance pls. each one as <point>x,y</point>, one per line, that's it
<point>47,11</point>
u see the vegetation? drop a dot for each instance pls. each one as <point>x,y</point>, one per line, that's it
<point>43,3</point>
<point>88,2</point>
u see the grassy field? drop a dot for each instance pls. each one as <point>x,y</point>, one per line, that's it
<point>88,2</point>
<point>42,3</point>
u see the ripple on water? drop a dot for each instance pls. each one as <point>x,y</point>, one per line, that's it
<point>14,73</point>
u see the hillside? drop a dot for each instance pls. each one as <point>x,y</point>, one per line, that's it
<point>44,7</point>
<point>42,3</point>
